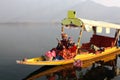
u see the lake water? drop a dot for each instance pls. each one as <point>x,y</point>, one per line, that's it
<point>18,41</point>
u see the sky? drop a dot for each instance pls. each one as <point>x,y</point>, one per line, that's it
<point>109,3</point>
<point>41,10</point>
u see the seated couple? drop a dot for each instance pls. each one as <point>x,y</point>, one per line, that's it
<point>66,49</point>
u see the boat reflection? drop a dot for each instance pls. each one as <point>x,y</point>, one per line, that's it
<point>68,72</point>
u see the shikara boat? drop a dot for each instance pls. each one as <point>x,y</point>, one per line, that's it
<point>99,48</point>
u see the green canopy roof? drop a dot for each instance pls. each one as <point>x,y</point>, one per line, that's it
<point>72,22</point>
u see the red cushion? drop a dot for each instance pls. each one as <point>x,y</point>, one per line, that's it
<point>99,41</point>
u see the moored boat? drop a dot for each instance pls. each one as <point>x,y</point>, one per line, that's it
<point>99,48</point>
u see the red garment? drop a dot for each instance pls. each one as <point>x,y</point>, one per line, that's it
<point>73,49</point>
<point>67,54</point>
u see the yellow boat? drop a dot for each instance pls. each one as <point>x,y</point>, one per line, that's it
<point>104,48</point>
<point>87,59</point>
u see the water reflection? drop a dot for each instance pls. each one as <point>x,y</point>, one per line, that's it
<point>69,72</point>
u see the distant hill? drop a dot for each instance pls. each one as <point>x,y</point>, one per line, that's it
<point>92,10</point>
<point>55,11</point>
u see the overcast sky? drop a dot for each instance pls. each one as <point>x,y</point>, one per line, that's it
<point>40,10</point>
<point>109,3</point>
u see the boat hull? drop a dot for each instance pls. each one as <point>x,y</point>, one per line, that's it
<point>86,59</point>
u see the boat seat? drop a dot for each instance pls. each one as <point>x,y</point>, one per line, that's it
<point>99,41</point>
<point>102,41</point>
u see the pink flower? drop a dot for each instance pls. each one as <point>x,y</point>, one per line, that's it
<point>50,54</point>
<point>53,53</point>
<point>77,63</point>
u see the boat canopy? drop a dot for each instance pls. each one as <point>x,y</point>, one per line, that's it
<point>72,21</point>
<point>100,24</point>
<point>88,25</point>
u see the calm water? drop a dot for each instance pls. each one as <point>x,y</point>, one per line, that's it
<point>18,41</point>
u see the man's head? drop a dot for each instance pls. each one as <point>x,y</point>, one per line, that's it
<point>64,36</point>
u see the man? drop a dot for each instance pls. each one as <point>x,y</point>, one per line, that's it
<point>62,43</point>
